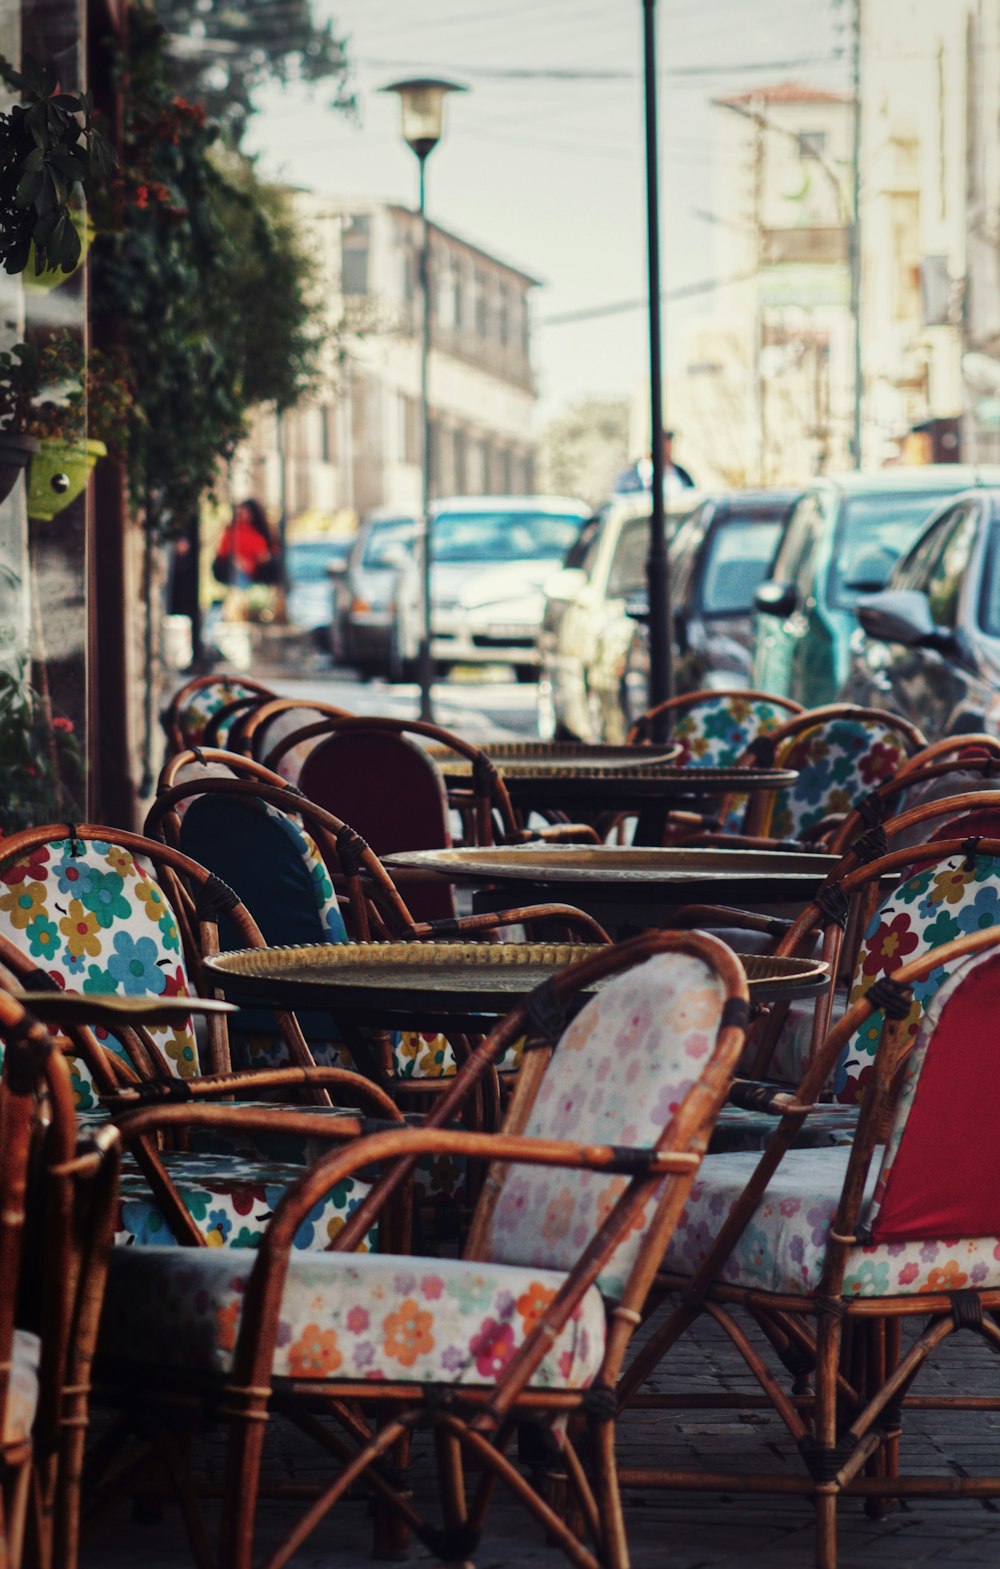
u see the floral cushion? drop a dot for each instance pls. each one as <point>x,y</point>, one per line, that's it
<point>784,1246</point>
<point>205,702</point>
<point>22,1390</point>
<point>618,1075</point>
<point>96,920</point>
<point>837,762</point>
<point>348,1316</point>
<point>231,1199</point>
<point>717,730</point>
<point>934,906</point>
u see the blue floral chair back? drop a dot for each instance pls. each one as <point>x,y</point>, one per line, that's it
<point>935,905</point>
<point>195,705</point>
<point>716,730</point>
<point>96,920</point>
<point>837,761</point>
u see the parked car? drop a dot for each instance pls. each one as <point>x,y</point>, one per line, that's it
<point>842,540</point>
<point>928,646</point>
<point>365,625</point>
<point>723,552</point>
<point>582,599</point>
<point>491,559</point>
<point>310,590</point>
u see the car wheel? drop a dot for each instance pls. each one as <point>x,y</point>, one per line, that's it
<point>526,673</point>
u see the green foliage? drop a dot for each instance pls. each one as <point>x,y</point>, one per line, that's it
<point>51,156</point>
<point>200,286</point>
<point>220,51</point>
<point>41,766</point>
<point>47,390</point>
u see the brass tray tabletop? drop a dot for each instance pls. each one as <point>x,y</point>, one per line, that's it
<point>561,760</point>
<point>636,866</point>
<point>446,980</point>
<point>413,979</point>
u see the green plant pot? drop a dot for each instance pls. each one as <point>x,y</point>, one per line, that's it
<point>59,472</point>
<point>52,277</point>
<point>15,450</point>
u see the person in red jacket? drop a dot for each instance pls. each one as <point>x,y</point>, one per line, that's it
<point>246,552</point>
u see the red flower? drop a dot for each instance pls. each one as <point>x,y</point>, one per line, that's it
<point>878,764</point>
<point>63,724</point>
<point>890,946</point>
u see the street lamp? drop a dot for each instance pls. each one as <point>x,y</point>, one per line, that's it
<point>422,104</point>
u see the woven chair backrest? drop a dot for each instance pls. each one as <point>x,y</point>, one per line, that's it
<point>938,1173</point>
<point>392,794</point>
<point>837,761</point>
<point>939,902</point>
<point>617,1076</point>
<point>96,920</point>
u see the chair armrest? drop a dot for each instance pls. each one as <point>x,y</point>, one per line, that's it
<point>555,833</point>
<point>158,1092</point>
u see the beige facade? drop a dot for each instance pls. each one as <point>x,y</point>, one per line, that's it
<point>764,395</point>
<point>913,159</point>
<point>358,445</point>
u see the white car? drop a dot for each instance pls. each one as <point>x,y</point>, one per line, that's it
<point>491,557</point>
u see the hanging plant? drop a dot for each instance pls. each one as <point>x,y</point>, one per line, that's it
<point>59,412</point>
<point>52,158</point>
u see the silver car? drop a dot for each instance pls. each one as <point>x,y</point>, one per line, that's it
<point>491,559</point>
<point>366,595</point>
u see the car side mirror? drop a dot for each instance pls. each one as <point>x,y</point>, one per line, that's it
<point>901,615</point>
<point>776,599</point>
<point>565,584</point>
<point>337,568</point>
<point>637,607</point>
<point>395,556</point>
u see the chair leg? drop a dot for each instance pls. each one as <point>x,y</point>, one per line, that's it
<point>826,1527</point>
<point>244,1453</point>
<point>391,1536</point>
<point>613,1549</point>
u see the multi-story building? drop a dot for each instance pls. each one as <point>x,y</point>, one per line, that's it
<point>915,58</point>
<point>358,445</point>
<point>765,392</point>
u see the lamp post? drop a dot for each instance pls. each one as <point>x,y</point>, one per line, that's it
<point>422,104</point>
<point>658,560</point>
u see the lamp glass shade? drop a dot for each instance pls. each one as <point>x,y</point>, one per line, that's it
<point>422,103</point>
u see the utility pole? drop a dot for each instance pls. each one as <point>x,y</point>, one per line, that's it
<point>759,388</point>
<point>855,235</point>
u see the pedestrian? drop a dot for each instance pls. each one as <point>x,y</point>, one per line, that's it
<point>639,476</point>
<point>247,553</point>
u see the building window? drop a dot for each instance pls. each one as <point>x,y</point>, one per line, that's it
<point>506,477</point>
<point>354,248</point>
<point>328,433</point>
<point>503,316</point>
<point>812,144</point>
<point>481,304</point>
<point>457,294</point>
<point>408,428</point>
<point>461,456</point>
<point>525,326</point>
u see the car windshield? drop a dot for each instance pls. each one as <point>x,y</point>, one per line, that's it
<point>382,537</point>
<point>492,537</point>
<point>874,532</point>
<point>740,555</point>
<point>307,563</point>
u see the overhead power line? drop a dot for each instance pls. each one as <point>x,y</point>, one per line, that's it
<point>559,74</point>
<point>683,291</point>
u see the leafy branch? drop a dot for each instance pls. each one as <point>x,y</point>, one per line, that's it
<point>51,156</point>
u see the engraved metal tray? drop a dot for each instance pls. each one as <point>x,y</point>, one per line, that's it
<point>613,864</point>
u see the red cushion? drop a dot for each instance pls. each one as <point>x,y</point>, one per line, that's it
<point>392,794</point>
<point>945,1179</point>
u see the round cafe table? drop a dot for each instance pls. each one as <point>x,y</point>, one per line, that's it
<point>595,781</point>
<point>622,886</point>
<point>442,986</point>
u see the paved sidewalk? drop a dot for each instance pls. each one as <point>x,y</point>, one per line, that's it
<point>667,1531</point>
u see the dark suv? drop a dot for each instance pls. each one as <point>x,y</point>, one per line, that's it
<point>929,643</point>
<point>722,553</point>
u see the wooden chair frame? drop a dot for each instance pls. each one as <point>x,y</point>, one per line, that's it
<point>251,736</point>
<point>60,1271</point>
<point>849,1422</point>
<point>675,707</point>
<point>170,718</point>
<point>476,1422</point>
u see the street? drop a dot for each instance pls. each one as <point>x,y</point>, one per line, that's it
<point>479,709</point>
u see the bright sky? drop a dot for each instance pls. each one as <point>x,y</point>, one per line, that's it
<point>549,173</point>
